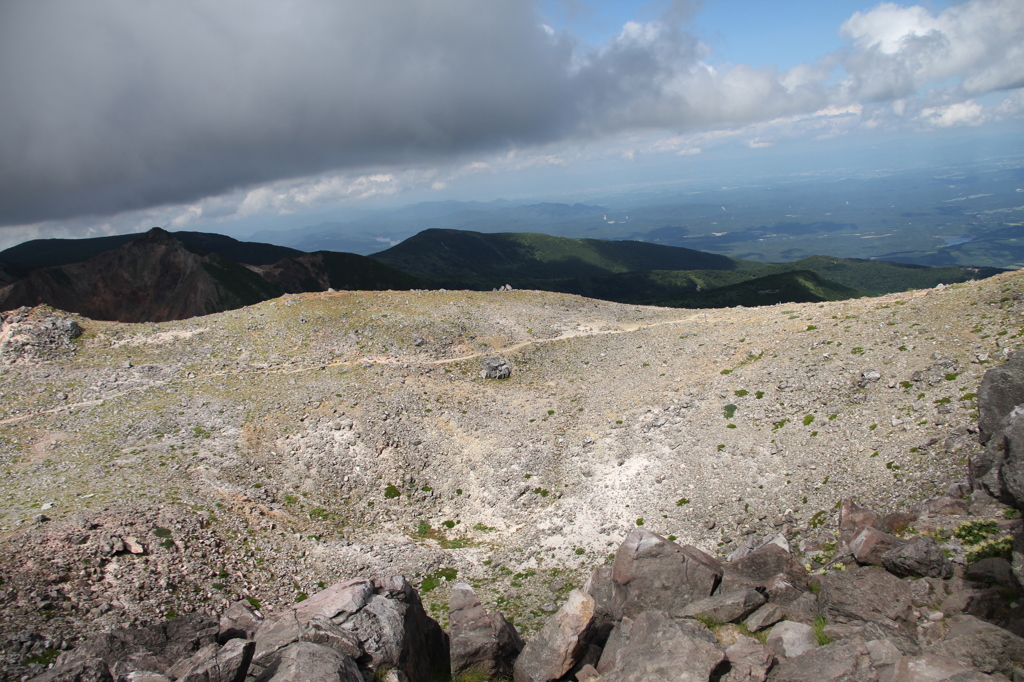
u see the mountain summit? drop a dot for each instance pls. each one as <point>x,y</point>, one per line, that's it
<point>154,278</point>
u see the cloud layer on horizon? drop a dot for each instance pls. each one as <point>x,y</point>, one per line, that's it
<point>117,105</point>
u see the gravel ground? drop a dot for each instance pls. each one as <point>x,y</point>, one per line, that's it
<point>153,469</point>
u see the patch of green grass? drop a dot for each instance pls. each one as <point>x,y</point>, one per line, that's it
<point>434,580</point>
<point>449,524</point>
<point>200,432</point>
<point>391,492</point>
<point>640,522</point>
<point>541,491</point>
<point>483,529</point>
<point>818,520</point>
<point>857,350</point>
<point>759,395</point>
<point>779,424</point>
<point>681,501</point>
<point>162,532</point>
<point>808,419</point>
<point>819,631</point>
<point>726,371</point>
<point>740,393</point>
<point>318,513</point>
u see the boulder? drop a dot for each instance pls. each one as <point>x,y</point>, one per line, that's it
<point>993,570</point>
<point>921,557</point>
<point>599,586</point>
<point>768,561</point>
<point>749,661</point>
<point>392,629</point>
<point>867,594</point>
<point>215,663</point>
<point>871,598</point>
<point>615,645</point>
<point>935,668</point>
<point>479,640</point>
<point>781,591</point>
<point>852,517</point>
<point>239,620</point>
<point>981,645</point>
<point>885,656</point>
<point>558,646</point>
<point>651,572</point>
<point>1002,388</point>
<point>308,662</point>
<point>764,617</point>
<point>999,469</point>
<point>660,648</point>
<point>730,607</point>
<point>846,661</point>
<point>897,522</point>
<point>495,368</point>
<point>802,610</point>
<point>790,639</point>
<point>869,544</point>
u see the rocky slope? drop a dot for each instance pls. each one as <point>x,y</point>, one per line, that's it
<point>150,470</point>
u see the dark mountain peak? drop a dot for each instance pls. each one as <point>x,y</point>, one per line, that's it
<point>156,277</point>
<point>155,234</point>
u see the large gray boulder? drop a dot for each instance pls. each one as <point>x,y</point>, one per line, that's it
<point>660,648</point>
<point>978,644</point>
<point>560,643</point>
<point>921,557</point>
<point>651,572</point>
<point>869,544</point>
<point>845,661</point>
<point>386,616</point>
<point>731,607</point>
<point>1002,388</point>
<point>308,662</point>
<point>749,661</point>
<point>215,663</point>
<point>999,468</point>
<point>872,598</point>
<point>480,641</point>
<point>495,368</point>
<point>239,620</point>
<point>790,639</point>
<point>768,561</point>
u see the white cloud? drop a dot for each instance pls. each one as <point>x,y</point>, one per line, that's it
<point>967,113</point>
<point>902,49</point>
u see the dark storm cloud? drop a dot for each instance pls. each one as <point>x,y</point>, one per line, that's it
<point>113,105</point>
<point>110,105</point>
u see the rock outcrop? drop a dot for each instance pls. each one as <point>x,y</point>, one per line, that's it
<point>345,633</point>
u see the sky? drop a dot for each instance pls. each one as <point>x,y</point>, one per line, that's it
<point>241,115</point>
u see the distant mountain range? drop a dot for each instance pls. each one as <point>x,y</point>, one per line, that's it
<point>163,276</point>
